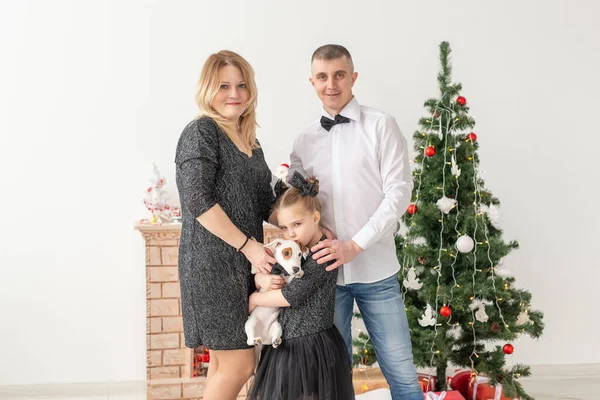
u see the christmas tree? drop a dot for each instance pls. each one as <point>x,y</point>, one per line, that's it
<point>462,305</point>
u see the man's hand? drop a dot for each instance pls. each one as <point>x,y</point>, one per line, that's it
<point>341,251</point>
<point>268,281</point>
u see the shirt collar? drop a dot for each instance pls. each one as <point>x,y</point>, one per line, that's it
<point>352,111</point>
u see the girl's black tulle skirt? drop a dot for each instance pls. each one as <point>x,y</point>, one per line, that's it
<point>313,367</point>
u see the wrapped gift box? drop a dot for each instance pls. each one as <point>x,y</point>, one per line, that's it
<point>449,395</point>
<point>480,389</point>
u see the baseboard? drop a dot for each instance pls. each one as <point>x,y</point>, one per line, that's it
<point>539,372</point>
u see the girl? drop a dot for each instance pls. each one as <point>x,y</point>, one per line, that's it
<point>312,361</point>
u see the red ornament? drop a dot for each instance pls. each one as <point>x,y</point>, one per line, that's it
<point>508,348</point>
<point>445,311</point>
<point>461,100</point>
<point>430,151</point>
<point>412,209</point>
<point>472,137</point>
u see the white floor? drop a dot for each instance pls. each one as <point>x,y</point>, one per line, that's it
<point>549,383</point>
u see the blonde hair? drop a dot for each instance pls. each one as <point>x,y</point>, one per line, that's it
<point>210,82</point>
<point>294,196</point>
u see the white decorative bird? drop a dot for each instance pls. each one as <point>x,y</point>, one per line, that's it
<point>412,282</point>
<point>455,170</point>
<point>427,319</point>
<point>523,319</point>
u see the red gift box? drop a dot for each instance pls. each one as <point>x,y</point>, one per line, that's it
<point>461,382</point>
<point>427,382</point>
<point>481,390</point>
<point>450,395</point>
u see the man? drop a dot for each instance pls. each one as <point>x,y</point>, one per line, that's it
<point>361,160</point>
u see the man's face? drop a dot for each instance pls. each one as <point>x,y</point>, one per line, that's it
<point>333,81</point>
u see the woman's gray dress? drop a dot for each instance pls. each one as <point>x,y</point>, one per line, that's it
<point>216,280</point>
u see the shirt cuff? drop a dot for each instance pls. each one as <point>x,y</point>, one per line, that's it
<point>365,237</point>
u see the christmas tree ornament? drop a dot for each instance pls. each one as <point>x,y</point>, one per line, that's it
<point>493,213</point>
<point>411,281</point>
<point>465,244</point>
<point>461,100</point>
<point>480,314</point>
<point>412,209</point>
<point>430,151</point>
<point>446,204</point>
<point>421,260</point>
<point>445,311</point>
<point>523,319</point>
<point>454,170</point>
<point>472,137</point>
<point>427,319</point>
<point>508,348</point>
<point>495,327</point>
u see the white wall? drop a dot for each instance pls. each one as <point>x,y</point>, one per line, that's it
<point>93,92</point>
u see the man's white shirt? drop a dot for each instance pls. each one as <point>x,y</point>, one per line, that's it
<point>365,185</point>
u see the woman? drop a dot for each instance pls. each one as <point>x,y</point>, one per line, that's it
<point>225,192</point>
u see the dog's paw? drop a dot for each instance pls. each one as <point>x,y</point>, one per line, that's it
<point>256,342</point>
<point>276,342</point>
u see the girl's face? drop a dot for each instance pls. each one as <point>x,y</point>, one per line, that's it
<point>299,224</point>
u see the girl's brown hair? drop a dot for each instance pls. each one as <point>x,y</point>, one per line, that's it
<point>294,195</point>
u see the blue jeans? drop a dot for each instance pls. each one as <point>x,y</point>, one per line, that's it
<point>382,309</point>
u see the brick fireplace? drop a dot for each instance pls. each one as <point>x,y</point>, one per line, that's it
<point>170,366</point>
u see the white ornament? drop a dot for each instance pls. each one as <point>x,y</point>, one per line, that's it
<point>446,204</point>
<point>523,319</point>
<point>412,282</point>
<point>493,213</point>
<point>427,319</point>
<point>419,241</point>
<point>455,170</point>
<point>455,332</point>
<point>480,314</point>
<point>465,244</point>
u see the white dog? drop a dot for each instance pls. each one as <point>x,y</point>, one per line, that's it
<point>262,326</point>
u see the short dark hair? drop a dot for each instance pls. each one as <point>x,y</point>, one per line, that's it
<point>332,52</point>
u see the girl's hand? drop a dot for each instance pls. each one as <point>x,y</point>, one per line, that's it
<point>258,256</point>
<point>268,281</point>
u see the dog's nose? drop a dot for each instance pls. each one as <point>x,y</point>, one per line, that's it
<point>296,269</point>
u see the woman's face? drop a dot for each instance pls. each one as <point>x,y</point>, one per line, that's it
<point>232,98</point>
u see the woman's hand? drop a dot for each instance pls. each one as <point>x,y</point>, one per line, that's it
<point>268,281</point>
<point>252,302</point>
<point>258,256</point>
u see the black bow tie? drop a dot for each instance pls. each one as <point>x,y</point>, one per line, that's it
<point>327,123</point>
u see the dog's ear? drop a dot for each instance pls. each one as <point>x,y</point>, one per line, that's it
<point>278,270</point>
<point>305,250</point>
<point>272,245</point>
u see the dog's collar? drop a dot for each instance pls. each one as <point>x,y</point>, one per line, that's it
<point>278,270</point>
